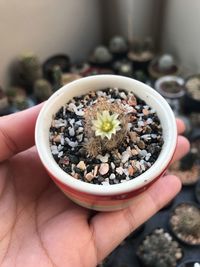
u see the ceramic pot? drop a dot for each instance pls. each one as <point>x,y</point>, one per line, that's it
<point>105,197</point>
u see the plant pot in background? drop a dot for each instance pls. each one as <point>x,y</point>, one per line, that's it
<point>118,47</point>
<point>159,249</point>
<point>141,54</point>
<point>192,96</point>
<point>187,169</point>
<point>163,66</point>
<point>172,89</point>
<point>184,223</point>
<point>101,57</point>
<point>60,60</point>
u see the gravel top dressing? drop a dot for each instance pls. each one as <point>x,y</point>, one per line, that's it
<point>105,137</point>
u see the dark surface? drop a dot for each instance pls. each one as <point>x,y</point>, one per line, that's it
<point>125,254</point>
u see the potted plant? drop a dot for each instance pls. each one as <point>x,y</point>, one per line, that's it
<point>118,47</point>
<point>184,223</point>
<point>18,99</point>
<point>192,97</point>
<point>101,57</point>
<point>141,53</point>
<point>187,169</point>
<point>42,90</point>
<point>159,249</point>
<point>162,66</point>
<point>171,88</point>
<point>106,134</point>
<point>60,60</point>
<point>25,70</point>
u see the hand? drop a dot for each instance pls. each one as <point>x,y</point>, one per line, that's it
<point>40,226</point>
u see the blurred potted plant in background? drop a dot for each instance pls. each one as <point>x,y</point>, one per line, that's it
<point>162,66</point>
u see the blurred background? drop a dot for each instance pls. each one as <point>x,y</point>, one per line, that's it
<point>46,44</point>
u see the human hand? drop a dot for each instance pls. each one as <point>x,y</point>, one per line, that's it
<point>40,226</point>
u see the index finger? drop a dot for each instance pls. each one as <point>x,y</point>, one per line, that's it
<point>17,132</point>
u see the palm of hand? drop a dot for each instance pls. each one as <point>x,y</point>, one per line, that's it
<point>40,226</point>
<point>38,222</point>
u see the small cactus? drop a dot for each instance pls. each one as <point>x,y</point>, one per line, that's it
<point>102,55</point>
<point>159,250</point>
<point>185,221</point>
<point>42,90</point>
<point>118,45</point>
<point>25,71</point>
<point>105,127</point>
<point>165,62</point>
<point>57,77</point>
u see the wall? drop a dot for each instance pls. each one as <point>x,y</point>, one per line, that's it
<point>46,28</point>
<point>137,15</point>
<point>181,32</point>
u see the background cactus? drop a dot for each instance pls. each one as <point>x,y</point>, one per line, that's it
<point>185,222</point>
<point>165,62</point>
<point>101,55</point>
<point>25,71</point>
<point>42,90</point>
<point>159,250</point>
<point>118,45</point>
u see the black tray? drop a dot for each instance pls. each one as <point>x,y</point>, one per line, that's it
<point>125,254</point>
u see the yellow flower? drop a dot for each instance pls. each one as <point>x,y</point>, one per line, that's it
<point>105,125</point>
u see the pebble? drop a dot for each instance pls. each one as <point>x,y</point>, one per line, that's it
<point>149,121</point>
<point>133,136</point>
<point>104,168</point>
<point>71,131</point>
<point>148,155</point>
<point>123,95</point>
<point>57,138</point>
<point>81,165</point>
<point>60,154</point>
<point>140,123</point>
<point>120,170</point>
<point>145,111</point>
<point>59,123</point>
<point>126,155</point>
<point>112,176</point>
<point>112,165</point>
<point>54,150</point>
<point>89,176</point>
<point>71,143</point>
<point>141,144</point>
<point>131,170</point>
<point>79,137</point>
<point>80,112</point>
<point>134,152</point>
<point>103,159</point>
<point>132,101</point>
<point>95,170</point>
<point>71,122</point>
<point>79,130</point>
<point>79,123</point>
<point>143,153</point>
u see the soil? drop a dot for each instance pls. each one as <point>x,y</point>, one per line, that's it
<point>137,147</point>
